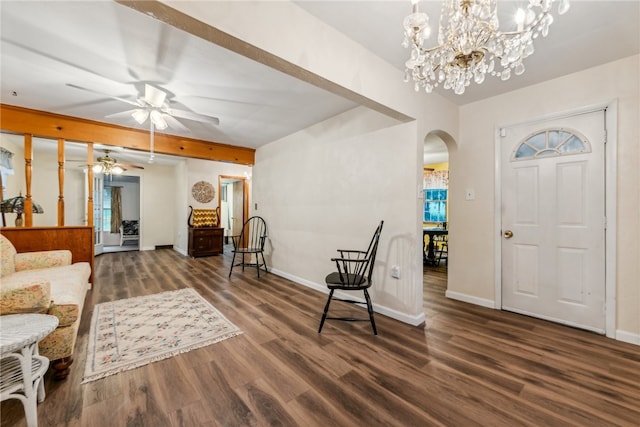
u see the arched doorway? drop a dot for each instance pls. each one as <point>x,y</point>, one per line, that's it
<point>435,212</point>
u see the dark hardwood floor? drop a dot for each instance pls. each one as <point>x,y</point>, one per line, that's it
<point>468,366</point>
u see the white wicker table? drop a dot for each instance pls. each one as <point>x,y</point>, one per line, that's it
<point>21,367</point>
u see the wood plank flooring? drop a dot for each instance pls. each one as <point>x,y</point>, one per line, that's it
<point>468,366</point>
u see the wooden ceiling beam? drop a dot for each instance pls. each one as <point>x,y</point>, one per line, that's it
<point>42,124</point>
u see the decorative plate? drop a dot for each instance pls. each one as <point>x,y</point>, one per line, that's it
<point>203,191</point>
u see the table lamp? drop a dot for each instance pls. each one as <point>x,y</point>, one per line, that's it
<point>16,205</point>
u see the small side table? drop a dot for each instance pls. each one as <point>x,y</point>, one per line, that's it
<point>21,367</point>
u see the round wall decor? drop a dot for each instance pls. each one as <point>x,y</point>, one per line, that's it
<point>203,192</point>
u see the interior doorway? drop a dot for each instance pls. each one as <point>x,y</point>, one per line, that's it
<point>233,200</point>
<point>128,188</point>
<point>435,213</point>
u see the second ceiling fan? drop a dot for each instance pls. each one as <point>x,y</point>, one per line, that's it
<point>110,166</point>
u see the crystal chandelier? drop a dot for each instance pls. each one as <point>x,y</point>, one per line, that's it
<point>471,44</point>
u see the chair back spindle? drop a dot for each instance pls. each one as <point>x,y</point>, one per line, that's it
<point>250,242</point>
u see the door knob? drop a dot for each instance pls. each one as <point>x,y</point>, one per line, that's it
<point>508,234</point>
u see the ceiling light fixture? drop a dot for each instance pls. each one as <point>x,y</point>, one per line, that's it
<point>107,165</point>
<point>471,44</point>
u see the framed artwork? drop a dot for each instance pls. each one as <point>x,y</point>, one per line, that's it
<point>203,192</point>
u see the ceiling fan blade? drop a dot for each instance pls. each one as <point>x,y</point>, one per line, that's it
<point>129,166</point>
<point>104,94</point>
<point>122,114</point>
<point>193,116</point>
<point>154,96</point>
<point>174,123</point>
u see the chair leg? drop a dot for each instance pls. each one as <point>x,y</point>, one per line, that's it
<point>370,310</point>
<point>233,261</point>
<point>258,265</point>
<point>263,262</point>
<point>326,310</point>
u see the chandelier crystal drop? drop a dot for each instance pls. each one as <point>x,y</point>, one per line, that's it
<point>471,44</point>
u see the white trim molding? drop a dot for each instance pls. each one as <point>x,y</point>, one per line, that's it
<point>471,299</point>
<point>381,309</point>
<point>628,337</point>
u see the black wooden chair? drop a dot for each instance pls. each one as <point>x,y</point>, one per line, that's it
<point>355,268</point>
<point>442,251</point>
<point>250,243</point>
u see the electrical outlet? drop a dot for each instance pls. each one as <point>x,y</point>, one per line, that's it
<point>395,272</point>
<point>469,194</point>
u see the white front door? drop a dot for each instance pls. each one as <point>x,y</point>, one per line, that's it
<point>553,220</point>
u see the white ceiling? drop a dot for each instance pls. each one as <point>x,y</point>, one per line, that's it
<point>110,48</point>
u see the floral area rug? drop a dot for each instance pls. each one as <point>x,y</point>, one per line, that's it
<point>133,332</point>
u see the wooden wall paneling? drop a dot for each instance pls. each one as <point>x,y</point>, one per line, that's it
<point>77,239</point>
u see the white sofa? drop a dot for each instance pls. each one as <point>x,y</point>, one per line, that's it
<point>46,282</point>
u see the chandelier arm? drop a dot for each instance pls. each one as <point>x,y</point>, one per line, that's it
<point>529,28</point>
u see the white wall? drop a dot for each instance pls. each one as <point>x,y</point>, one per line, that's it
<point>328,187</point>
<point>471,257</point>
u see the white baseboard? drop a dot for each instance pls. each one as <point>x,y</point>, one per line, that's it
<point>385,311</point>
<point>470,299</point>
<point>180,251</point>
<point>628,337</point>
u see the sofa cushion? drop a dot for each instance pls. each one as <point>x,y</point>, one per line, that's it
<point>16,296</point>
<point>68,288</point>
<point>44,259</point>
<point>7,254</point>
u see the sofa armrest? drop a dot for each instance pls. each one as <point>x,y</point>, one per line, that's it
<point>18,296</point>
<point>42,259</point>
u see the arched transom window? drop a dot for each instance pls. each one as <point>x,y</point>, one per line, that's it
<point>551,143</point>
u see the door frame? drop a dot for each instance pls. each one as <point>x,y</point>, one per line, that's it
<point>245,193</point>
<point>610,176</point>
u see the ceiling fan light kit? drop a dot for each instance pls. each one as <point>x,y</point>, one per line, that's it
<point>471,44</point>
<point>140,116</point>
<point>108,165</point>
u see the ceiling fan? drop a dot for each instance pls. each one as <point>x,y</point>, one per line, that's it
<point>110,166</point>
<point>155,106</point>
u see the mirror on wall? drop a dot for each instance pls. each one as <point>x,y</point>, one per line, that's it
<point>75,183</point>
<point>45,187</point>
<point>44,181</point>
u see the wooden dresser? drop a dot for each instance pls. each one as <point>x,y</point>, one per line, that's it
<point>205,241</point>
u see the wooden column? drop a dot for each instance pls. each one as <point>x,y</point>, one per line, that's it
<point>28,157</point>
<point>4,221</point>
<point>60,182</point>
<point>90,184</point>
